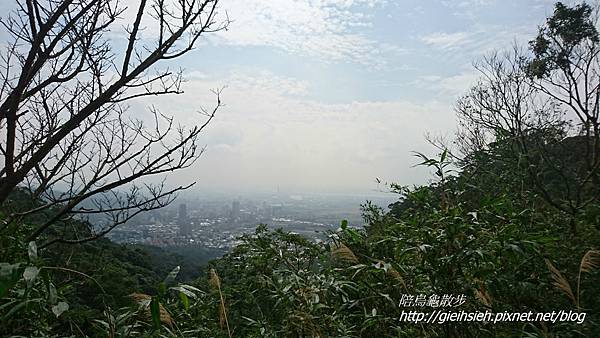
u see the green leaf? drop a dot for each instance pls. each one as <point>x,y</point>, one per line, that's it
<point>172,275</point>
<point>184,290</point>
<point>344,224</point>
<point>9,276</point>
<point>356,237</point>
<point>52,294</point>
<point>162,289</point>
<point>444,155</point>
<point>103,323</point>
<point>17,306</point>
<point>252,321</point>
<point>155,312</point>
<point>185,301</point>
<point>32,250</point>
<point>190,288</point>
<point>515,248</point>
<point>30,273</point>
<point>59,308</point>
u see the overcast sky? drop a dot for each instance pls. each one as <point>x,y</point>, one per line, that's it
<point>327,95</point>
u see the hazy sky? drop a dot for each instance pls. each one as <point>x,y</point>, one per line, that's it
<point>327,95</point>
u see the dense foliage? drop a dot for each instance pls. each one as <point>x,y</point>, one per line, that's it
<point>489,246</point>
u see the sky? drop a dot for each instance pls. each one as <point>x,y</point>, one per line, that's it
<point>328,95</point>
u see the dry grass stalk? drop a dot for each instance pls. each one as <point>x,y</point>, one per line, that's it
<point>589,262</point>
<point>560,281</point>
<point>397,276</point>
<point>144,300</point>
<point>214,279</point>
<point>215,282</point>
<point>343,253</point>
<point>482,295</point>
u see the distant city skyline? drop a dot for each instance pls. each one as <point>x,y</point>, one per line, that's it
<point>216,223</point>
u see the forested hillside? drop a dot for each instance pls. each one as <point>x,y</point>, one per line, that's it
<point>509,223</point>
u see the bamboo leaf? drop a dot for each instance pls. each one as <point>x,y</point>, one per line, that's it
<point>60,308</point>
<point>155,312</point>
<point>185,301</point>
<point>32,251</point>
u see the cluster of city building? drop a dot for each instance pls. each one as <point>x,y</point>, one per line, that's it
<point>217,223</point>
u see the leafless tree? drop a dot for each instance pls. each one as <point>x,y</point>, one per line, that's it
<point>66,132</point>
<point>543,104</point>
<point>503,108</point>
<point>503,102</point>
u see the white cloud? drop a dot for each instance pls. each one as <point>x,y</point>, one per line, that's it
<point>464,48</point>
<point>468,3</point>
<point>467,8</point>
<point>270,134</point>
<point>444,40</point>
<point>448,87</point>
<point>458,84</point>
<point>326,29</point>
<point>262,80</point>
